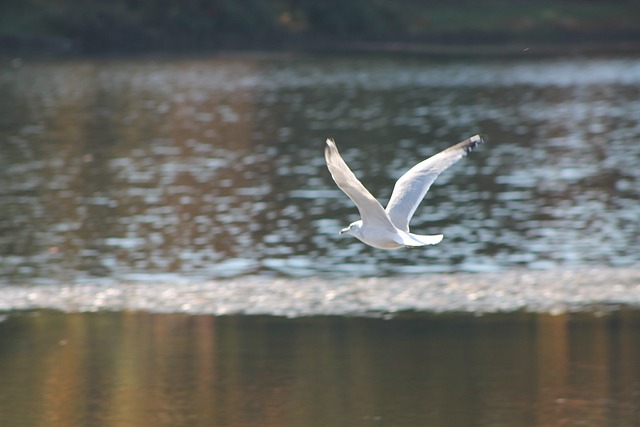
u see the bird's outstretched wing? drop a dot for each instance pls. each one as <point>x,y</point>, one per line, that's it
<point>370,209</point>
<point>411,188</point>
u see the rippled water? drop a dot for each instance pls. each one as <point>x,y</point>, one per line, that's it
<point>214,168</point>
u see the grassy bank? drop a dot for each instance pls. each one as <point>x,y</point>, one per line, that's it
<point>94,26</point>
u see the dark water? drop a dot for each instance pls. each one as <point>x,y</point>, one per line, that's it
<point>134,369</point>
<point>213,168</point>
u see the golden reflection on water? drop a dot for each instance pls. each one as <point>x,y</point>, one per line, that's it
<point>134,369</point>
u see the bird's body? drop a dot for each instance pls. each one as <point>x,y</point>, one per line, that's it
<point>389,228</point>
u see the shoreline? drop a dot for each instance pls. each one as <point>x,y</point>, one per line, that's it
<point>52,47</point>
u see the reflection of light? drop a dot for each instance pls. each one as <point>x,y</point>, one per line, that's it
<point>219,158</point>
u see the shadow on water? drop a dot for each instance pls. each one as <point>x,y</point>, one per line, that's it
<point>117,369</point>
<point>214,167</point>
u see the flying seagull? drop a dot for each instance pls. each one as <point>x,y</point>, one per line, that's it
<point>389,228</point>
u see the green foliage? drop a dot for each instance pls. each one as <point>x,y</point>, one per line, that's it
<point>360,17</point>
<point>96,25</point>
<point>99,25</point>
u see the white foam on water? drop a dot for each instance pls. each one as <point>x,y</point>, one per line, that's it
<point>547,291</point>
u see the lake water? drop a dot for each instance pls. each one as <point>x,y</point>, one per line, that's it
<point>169,248</point>
<point>136,369</point>
<point>214,167</point>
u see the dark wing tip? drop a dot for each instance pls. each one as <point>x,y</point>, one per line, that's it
<point>468,144</point>
<point>473,142</point>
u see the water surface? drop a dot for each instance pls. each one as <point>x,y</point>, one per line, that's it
<point>213,167</point>
<point>148,200</point>
<point>136,369</point>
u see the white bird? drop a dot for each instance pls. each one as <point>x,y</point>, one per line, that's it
<point>389,228</point>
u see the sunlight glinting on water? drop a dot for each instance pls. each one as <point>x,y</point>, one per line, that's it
<point>214,168</point>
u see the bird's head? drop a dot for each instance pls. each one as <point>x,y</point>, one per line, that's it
<point>353,228</point>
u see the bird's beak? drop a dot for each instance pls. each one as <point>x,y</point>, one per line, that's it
<point>344,230</point>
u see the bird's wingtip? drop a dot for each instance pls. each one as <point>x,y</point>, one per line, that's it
<point>479,139</point>
<point>474,141</point>
<point>329,148</point>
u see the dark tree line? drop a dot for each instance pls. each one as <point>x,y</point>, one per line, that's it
<point>97,25</point>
